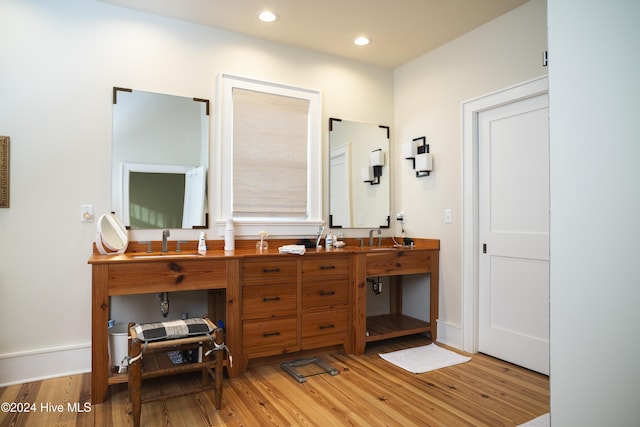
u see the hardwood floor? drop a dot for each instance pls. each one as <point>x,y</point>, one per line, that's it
<point>367,392</point>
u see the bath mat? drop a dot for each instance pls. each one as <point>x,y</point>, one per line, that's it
<point>541,421</point>
<point>424,359</point>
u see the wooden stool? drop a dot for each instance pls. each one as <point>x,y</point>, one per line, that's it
<point>148,347</point>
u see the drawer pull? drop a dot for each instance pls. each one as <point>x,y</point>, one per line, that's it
<point>268,299</point>
<point>327,267</point>
<point>270,334</point>
<point>327,326</point>
<point>327,293</point>
<point>271,270</point>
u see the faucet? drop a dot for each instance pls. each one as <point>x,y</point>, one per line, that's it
<point>371,236</point>
<point>165,235</point>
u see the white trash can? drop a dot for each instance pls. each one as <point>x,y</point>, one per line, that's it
<point>118,347</point>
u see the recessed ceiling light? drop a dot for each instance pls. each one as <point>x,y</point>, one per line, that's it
<point>267,16</point>
<point>362,41</point>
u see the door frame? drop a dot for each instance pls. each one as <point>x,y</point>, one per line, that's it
<point>470,197</point>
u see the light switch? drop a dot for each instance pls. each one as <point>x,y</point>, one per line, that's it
<point>447,216</point>
<point>86,213</point>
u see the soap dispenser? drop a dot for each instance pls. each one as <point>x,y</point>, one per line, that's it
<point>202,244</point>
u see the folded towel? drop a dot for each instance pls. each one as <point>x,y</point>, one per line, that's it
<point>292,249</point>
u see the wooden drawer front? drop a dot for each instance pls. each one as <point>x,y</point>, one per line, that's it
<point>389,263</point>
<point>166,276</point>
<point>275,270</point>
<point>324,327</point>
<point>268,337</point>
<point>318,293</point>
<point>325,266</point>
<point>269,300</point>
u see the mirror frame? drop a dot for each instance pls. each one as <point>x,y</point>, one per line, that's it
<point>385,170</point>
<point>118,193</point>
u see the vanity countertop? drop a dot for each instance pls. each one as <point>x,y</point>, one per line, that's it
<point>137,252</point>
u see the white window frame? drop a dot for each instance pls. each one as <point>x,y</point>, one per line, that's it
<point>250,226</point>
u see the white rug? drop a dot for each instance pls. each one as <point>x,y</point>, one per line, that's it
<point>424,359</point>
<point>541,421</point>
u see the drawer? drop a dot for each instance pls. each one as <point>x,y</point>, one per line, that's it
<point>274,300</point>
<point>166,276</point>
<point>323,328</point>
<point>269,337</point>
<point>410,261</point>
<point>318,293</point>
<point>268,271</point>
<point>325,266</point>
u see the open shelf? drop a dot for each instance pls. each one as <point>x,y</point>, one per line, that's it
<point>386,326</point>
<point>115,378</point>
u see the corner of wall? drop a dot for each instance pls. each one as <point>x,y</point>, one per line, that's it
<point>449,334</point>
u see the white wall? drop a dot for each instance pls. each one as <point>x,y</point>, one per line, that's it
<point>60,61</point>
<point>595,212</point>
<point>429,92</point>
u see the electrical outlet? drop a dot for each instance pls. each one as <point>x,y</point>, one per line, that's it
<point>86,213</point>
<point>400,216</point>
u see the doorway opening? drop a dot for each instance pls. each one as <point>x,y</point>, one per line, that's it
<point>472,246</point>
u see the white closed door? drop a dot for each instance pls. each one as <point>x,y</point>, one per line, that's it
<point>513,297</point>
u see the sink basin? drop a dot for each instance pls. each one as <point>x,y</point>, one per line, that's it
<point>166,255</point>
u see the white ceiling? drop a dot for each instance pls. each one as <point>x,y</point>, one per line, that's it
<point>400,29</point>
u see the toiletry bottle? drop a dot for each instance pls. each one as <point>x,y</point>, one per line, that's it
<point>202,244</point>
<point>229,236</point>
<point>328,241</point>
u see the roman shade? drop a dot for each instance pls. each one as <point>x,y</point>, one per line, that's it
<point>270,155</point>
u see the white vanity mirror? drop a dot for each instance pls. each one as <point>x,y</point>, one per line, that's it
<point>160,160</point>
<point>359,178</point>
<point>111,235</point>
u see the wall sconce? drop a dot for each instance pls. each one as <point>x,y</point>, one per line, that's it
<point>419,155</point>
<point>373,172</point>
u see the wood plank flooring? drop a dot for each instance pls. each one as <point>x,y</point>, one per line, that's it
<point>367,392</point>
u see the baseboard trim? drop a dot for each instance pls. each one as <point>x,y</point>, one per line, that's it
<point>450,334</point>
<point>23,367</point>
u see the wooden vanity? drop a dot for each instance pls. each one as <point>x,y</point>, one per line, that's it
<point>395,262</point>
<point>272,304</point>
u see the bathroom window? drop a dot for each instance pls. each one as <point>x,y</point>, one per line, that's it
<point>271,157</point>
